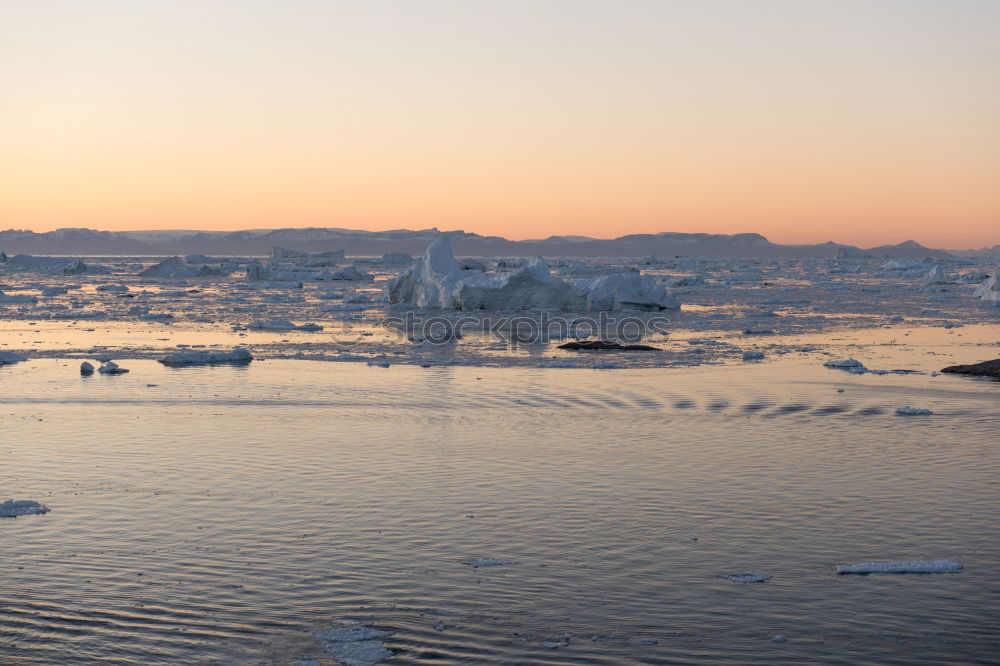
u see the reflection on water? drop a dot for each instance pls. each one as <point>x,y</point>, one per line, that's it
<point>220,515</point>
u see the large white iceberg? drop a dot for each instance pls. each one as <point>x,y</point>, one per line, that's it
<point>626,291</point>
<point>438,281</point>
<point>176,267</point>
<point>936,276</point>
<point>989,291</point>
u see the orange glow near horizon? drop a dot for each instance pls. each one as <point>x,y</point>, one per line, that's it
<point>805,124</point>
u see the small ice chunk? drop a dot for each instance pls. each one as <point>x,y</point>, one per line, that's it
<point>746,577</point>
<point>350,633</point>
<point>86,368</point>
<point>554,645</point>
<point>913,566</point>
<point>359,653</point>
<point>753,355</point>
<point>13,508</point>
<point>844,363</point>
<point>780,639</point>
<point>913,411</point>
<point>355,645</point>
<point>111,368</point>
<point>486,562</point>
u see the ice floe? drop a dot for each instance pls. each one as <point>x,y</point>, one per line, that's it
<point>746,577</point>
<point>913,566</point>
<point>844,363</point>
<point>238,355</point>
<point>86,368</point>
<point>355,644</point>
<point>477,562</point>
<point>913,411</point>
<point>13,508</point>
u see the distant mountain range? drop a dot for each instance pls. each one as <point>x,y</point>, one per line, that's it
<point>375,243</point>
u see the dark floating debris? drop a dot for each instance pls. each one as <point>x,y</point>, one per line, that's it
<point>604,345</point>
<point>984,369</point>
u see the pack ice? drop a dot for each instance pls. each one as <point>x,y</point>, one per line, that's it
<point>438,281</point>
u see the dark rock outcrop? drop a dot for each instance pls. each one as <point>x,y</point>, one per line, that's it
<point>984,369</point>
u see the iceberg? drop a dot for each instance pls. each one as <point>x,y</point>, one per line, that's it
<point>913,566</point>
<point>626,291</point>
<point>396,258</point>
<point>438,281</point>
<point>989,291</point>
<point>176,267</point>
<point>284,253</point>
<point>936,276</point>
<point>111,368</point>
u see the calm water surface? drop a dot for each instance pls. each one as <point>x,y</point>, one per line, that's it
<point>221,515</point>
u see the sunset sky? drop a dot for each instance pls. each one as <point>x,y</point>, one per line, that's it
<point>860,121</point>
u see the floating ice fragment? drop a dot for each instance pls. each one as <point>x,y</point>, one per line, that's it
<point>237,355</point>
<point>486,562</point>
<point>13,508</point>
<point>355,645</point>
<point>753,355</point>
<point>913,566</point>
<point>746,577</point>
<point>359,653</point>
<point>86,368</point>
<point>350,633</point>
<point>843,363</point>
<point>780,639</point>
<point>913,411</point>
<point>111,368</point>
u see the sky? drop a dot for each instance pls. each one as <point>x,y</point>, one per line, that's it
<point>862,122</point>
